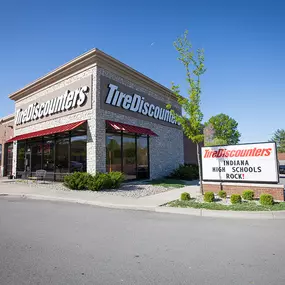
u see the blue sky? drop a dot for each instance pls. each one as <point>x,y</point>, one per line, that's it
<point>244,46</point>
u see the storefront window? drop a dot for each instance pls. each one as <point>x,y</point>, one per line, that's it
<point>48,157</point>
<point>62,157</point>
<point>36,155</point>
<point>142,157</point>
<point>78,154</point>
<point>113,152</point>
<point>131,157</point>
<point>21,156</point>
<point>58,154</point>
<point>9,160</point>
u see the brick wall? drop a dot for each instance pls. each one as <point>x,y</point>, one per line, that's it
<point>277,191</point>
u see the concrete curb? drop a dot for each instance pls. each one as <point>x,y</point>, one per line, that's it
<point>79,201</point>
<point>276,215</point>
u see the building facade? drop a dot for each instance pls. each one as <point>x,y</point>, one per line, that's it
<point>95,114</point>
<point>6,150</point>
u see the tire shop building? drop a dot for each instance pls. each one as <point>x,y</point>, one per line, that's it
<point>95,114</point>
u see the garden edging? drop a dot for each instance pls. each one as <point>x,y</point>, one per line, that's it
<point>268,215</point>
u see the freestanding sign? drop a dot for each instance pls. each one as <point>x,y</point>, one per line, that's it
<point>240,163</point>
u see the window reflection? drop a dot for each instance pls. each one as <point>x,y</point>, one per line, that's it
<point>142,157</point>
<point>58,154</point>
<point>130,158</point>
<point>48,163</point>
<point>78,154</point>
<point>113,152</point>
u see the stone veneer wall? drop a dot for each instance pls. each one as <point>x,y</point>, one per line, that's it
<point>277,191</point>
<point>88,115</point>
<point>166,150</point>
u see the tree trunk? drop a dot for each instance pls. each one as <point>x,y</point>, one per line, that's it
<point>199,167</point>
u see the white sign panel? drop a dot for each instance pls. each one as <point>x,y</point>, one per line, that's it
<point>240,163</point>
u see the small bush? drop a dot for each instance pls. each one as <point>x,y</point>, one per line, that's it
<point>99,181</point>
<point>185,172</point>
<point>266,200</point>
<point>209,197</point>
<point>222,194</point>
<point>116,179</point>
<point>235,199</point>
<point>77,180</point>
<point>185,196</point>
<point>248,195</point>
<point>105,181</point>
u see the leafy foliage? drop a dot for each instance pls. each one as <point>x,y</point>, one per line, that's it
<point>279,138</point>
<point>266,199</point>
<point>248,195</point>
<point>77,180</point>
<point>185,196</point>
<point>191,117</point>
<point>225,130</point>
<point>235,199</point>
<point>244,206</point>
<point>99,181</point>
<point>83,181</point>
<point>222,194</point>
<point>116,179</point>
<point>186,172</point>
<point>209,197</point>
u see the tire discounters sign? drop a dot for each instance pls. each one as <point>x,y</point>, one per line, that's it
<point>240,163</point>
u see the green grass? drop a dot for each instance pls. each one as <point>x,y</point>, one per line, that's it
<point>244,206</point>
<point>167,183</point>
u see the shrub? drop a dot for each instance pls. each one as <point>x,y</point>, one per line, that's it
<point>248,195</point>
<point>222,194</point>
<point>116,179</point>
<point>185,196</point>
<point>235,199</point>
<point>105,181</point>
<point>77,180</point>
<point>266,200</point>
<point>209,197</point>
<point>186,172</point>
<point>99,181</point>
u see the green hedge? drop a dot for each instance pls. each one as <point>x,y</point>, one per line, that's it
<point>185,196</point>
<point>99,181</point>
<point>222,194</point>
<point>77,180</point>
<point>209,197</point>
<point>185,172</point>
<point>235,199</point>
<point>248,195</point>
<point>266,200</point>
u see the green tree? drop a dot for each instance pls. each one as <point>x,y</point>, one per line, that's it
<point>225,130</point>
<point>279,138</point>
<point>191,117</point>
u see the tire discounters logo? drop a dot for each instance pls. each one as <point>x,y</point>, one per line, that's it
<point>249,162</point>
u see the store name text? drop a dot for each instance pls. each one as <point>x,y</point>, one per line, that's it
<point>69,100</point>
<point>137,104</point>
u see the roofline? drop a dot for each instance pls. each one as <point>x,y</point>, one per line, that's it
<point>92,57</point>
<point>7,118</point>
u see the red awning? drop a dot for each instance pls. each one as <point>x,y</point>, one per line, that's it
<point>46,132</point>
<point>131,129</point>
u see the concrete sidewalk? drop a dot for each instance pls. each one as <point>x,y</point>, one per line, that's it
<point>8,187</point>
<point>148,203</point>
